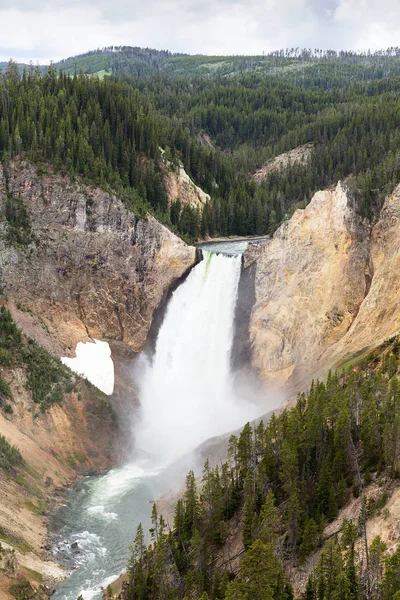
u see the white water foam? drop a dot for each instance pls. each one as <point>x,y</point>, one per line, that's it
<point>187,390</point>
<point>101,512</point>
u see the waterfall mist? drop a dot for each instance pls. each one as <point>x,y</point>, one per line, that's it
<point>187,389</point>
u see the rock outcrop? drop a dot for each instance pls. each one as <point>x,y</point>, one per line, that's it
<point>181,187</point>
<point>326,288</point>
<point>379,314</point>
<point>94,270</point>
<point>77,437</point>
<point>298,156</point>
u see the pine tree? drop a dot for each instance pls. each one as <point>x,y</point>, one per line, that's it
<point>269,520</point>
<point>260,576</point>
<point>309,539</point>
<point>391,579</point>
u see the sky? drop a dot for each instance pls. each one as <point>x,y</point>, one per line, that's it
<point>44,30</point>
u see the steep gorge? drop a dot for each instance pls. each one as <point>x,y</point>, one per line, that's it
<point>323,290</point>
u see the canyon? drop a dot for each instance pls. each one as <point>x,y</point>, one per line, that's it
<point>322,291</point>
<point>93,270</point>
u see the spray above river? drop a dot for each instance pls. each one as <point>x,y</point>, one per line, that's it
<point>188,394</point>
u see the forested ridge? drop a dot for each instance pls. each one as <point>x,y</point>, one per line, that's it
<point>286,480</point>
<point>289,62</point>
<point>113,132</point>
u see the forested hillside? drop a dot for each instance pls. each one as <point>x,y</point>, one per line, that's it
<point>285,481</point>
<point>289,62</point>
<point>113,131</point>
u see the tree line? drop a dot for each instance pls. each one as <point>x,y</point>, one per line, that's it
<point>113,132</point>
<point>283,482</point>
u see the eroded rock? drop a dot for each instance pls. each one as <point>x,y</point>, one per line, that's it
<point>310,282</point>
<point>95,269</point>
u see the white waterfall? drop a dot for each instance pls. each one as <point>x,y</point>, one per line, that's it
<point>186,390</point>
<point>188,394</point>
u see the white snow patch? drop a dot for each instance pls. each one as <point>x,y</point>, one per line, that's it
<point>93,361</point>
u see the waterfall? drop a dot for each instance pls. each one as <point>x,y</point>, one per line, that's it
<point>188,394</point>
<point>186,388</point>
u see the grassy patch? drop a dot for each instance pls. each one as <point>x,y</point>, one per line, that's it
<point>9,455</point>
<point>32,574</point>
<point>70,460</point>
<point>32,472</point>
<point>14,541</point>
<point>22,590</point>
<point>101,74</point>
<point>40,508</point>
<point>20,479</point>
<point>80,458</point>
<point>354,360</point>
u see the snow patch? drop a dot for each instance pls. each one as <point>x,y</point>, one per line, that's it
<point>93,361</point>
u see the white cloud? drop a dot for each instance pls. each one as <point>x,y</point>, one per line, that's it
<point>42,30</point>
<point>368,23</point>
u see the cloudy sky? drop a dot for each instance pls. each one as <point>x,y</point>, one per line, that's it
<point>43,30</point>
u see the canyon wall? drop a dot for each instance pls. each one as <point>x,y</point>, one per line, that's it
<point>93,269</point>
<point>326,288</point>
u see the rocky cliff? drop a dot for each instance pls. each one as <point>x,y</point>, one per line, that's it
<point>71,439</point>
<point>93,268</point>
<point>181,187</point>
<point>298,156</point>
<point>326,288</point>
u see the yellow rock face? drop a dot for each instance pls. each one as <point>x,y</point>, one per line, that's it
<point>326,287</point>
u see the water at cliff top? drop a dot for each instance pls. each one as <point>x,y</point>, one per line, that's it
<point>187,393</point>
<point>231,247</point>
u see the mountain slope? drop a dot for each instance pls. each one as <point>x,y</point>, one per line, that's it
<point>306,504</point>
<point>301,64</point>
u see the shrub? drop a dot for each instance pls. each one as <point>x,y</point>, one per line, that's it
<point>19,224</point>
<point>9,455</point>
<point>10,335</point>
<point>48,378</point>
<point>5,391</point>
<point>22,590</point>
